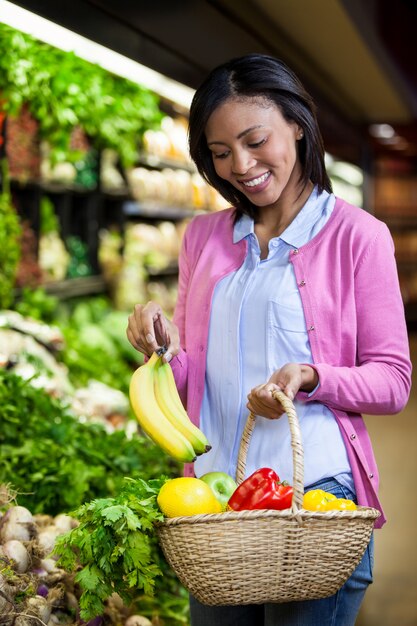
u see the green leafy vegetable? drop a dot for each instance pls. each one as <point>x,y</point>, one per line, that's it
<point>113,545</point>
<point>64,92</point>
<point>55,462</point>
<point>37,303</point>
<point>94,336</point>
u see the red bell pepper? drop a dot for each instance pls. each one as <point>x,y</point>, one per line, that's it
<point>262,490</point>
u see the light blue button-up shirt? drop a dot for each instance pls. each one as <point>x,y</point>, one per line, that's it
<point>257,325</point>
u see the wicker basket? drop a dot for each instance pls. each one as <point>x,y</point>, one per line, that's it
<point>252,557</point>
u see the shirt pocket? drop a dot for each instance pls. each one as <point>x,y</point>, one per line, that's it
<point>287,337</point>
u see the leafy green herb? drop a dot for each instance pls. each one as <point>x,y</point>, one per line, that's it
<point>113,546</point>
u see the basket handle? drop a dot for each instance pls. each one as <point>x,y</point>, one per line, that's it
<point>297,448</point>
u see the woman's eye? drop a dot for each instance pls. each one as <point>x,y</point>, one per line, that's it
<point>223,155</point>
<point>257,144</point>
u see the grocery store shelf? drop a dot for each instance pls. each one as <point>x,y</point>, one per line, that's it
<point>73,287</point>
<point>169,270</point>
<point>159,163</point>
<point>157,212</point>
<point>52,186</point>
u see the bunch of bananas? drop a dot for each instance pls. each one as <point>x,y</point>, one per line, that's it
<point>158,408</point>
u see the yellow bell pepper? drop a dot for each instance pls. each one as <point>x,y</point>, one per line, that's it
<point>317,499</point>
<point>340,504</point>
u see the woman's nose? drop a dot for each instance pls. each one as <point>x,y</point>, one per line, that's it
<point>242,162</point>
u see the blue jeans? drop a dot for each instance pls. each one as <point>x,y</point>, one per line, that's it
<point>341,609</point>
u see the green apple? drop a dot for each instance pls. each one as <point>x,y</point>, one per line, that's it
<point>221,484</point>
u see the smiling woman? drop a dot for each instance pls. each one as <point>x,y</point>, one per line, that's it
<point>248,109</point>
<point>285,290</point>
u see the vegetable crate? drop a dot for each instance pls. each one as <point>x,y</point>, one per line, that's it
<point>225,558</point>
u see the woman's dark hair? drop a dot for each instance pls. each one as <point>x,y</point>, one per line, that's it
<point>262,76</point>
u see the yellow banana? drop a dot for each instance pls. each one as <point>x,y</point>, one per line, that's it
<point>168,398</point>
<point>152,419</point>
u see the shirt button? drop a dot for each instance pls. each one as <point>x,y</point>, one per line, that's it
<point>311,327</point>
<point>295,251</point>
<point>353,437</point>
<point>370,475</point>
<point>302,283</point>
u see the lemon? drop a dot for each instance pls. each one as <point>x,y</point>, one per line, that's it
<point>187,496</point>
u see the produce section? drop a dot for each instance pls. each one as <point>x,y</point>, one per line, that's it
<point>92,211</point>
<point>36,588</point>
<point>82,175</point>
<point>58,400</point>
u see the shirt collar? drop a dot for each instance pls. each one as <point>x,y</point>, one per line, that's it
<point>243,228</point>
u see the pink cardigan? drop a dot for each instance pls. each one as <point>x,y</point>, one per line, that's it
<point>348,283</point>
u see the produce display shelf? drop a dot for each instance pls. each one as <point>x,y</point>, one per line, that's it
<point>54,187</point>
<point>149,210</point>
<point>170,270</point>
<point>73,287</point>
<point>156,162</point>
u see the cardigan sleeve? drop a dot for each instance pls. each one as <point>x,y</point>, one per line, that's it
<point>179,363</point>
<point>379,383</point>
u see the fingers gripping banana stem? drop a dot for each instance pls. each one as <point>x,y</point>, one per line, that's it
<point>167,396</point>
<point>152,419</point>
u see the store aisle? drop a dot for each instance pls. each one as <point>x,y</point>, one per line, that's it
<point>392,599</point>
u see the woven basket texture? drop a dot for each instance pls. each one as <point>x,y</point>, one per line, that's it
<point>253,557</point>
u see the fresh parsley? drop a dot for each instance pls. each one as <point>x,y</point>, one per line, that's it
<point>112,548</point>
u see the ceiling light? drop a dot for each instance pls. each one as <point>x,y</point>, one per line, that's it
<point>381,131</point>
<point>116,63</point>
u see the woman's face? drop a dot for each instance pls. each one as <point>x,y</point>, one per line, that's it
<point>255,149</point>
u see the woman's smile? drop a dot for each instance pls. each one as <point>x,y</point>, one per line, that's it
<point>257,184</point>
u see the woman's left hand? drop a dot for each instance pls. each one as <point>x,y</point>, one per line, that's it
<point>290,379</point>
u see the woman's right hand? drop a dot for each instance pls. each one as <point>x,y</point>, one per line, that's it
<point>149,329</point>
<point>290,378</point>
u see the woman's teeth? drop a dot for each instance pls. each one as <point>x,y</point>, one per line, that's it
<point>256,181</point>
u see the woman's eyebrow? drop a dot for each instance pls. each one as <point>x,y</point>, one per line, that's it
<point>240,135</point>
<point>248,130</point>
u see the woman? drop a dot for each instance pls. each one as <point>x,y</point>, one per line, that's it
<point>290,288</point>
